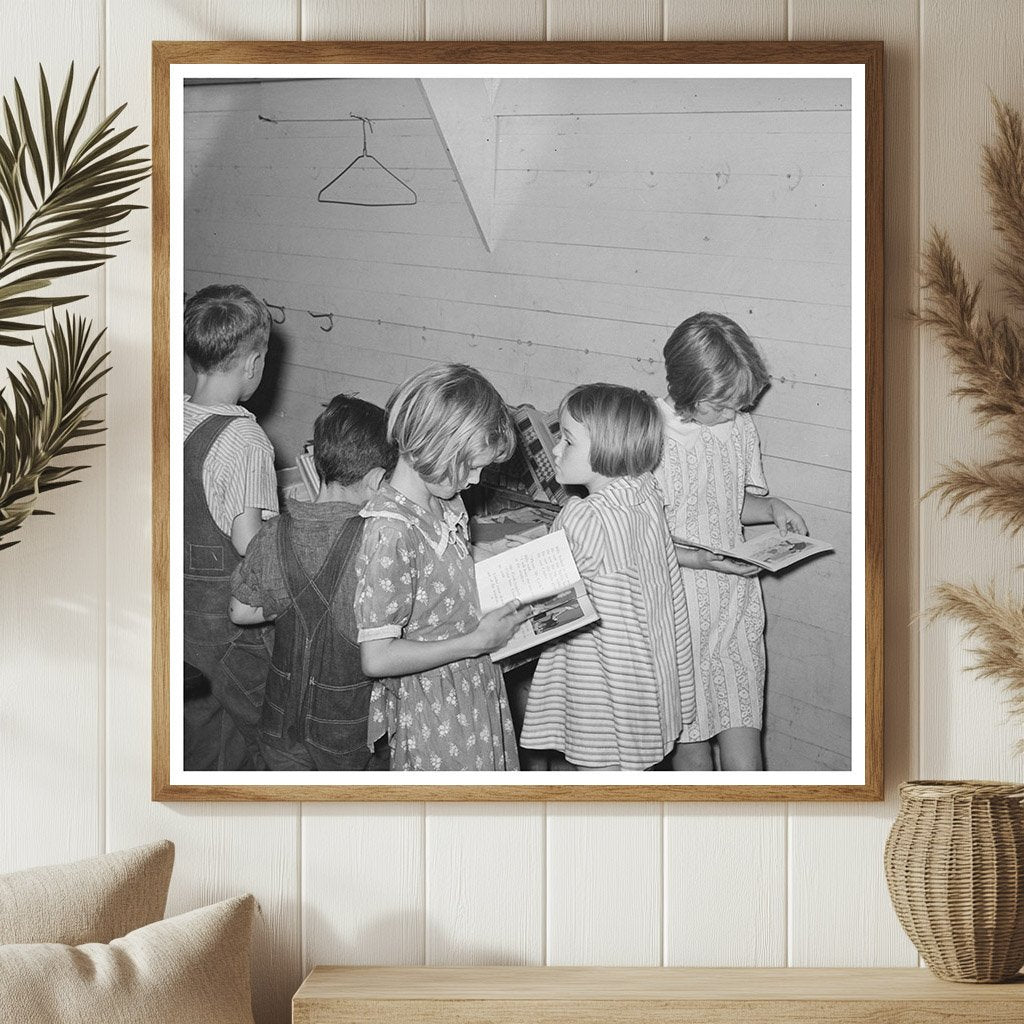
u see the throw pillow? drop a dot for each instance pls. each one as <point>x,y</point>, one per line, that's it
<point>190,969</point>
<point>92,900</point>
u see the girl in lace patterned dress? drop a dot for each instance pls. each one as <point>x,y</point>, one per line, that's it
<point>714,486</point>
<point>438,697</point>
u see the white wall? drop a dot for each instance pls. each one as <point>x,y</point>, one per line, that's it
<point>619,209</point>
<point>648,884</point>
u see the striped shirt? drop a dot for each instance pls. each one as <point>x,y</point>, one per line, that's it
<point>239,470</point>
<point>616,694</point>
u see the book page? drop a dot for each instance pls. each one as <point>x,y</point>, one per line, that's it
<point>530,572</point>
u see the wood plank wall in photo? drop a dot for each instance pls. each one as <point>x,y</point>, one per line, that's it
<point>618,210</point>
<point>518,883</point>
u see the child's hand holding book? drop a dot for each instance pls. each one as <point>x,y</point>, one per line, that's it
<point>700,558</point>
<point>497,627</point>
<point>540,584</point>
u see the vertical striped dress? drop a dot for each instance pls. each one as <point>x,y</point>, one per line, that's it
<point>616,694</point>
<point>705,473</point>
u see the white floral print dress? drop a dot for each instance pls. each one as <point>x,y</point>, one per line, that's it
<point>416,581</point>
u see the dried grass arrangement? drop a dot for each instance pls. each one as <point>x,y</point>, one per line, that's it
<point>987,354</point>
<point>62,190</point>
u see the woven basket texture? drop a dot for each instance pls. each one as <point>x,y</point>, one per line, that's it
<point>954,862</point>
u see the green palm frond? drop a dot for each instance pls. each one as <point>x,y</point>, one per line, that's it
<point>62,190</point>
<point>45,418</point>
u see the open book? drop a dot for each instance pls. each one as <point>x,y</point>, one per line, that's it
<point>772,551</point>
<point>543,575</point>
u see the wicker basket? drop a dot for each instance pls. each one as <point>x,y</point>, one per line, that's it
<point>954,861</point>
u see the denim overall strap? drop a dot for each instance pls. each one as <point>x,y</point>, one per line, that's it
<point>298,629</point>
<point>208,552</point>
<point>328,700</point>
<point>232,658</point>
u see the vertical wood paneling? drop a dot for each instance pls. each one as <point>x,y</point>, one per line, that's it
<point>582,19</point>
<point>738,919</point>
<point>363,19</point>
<point>836,852</point>
<point>223,849</point>
<point>369,890</point>
<point>604,884</point>
<point>484,19</point>
<point>728,19</point>
<point>964,727</point>
<point>485,884</point>
<point>362,888</point>
<point>725,885</point>
<point>52,598</point>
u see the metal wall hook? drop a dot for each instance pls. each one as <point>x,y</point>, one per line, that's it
<point>323,316</point>
<point>271,306</point>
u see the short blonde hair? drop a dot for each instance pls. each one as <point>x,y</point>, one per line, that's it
<point>446,417</point>
<point>626,432</point>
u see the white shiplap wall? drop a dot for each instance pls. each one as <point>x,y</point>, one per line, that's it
<point>734,884</point>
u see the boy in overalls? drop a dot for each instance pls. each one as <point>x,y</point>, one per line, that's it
<point>229,486</point>
<point>299,572</point>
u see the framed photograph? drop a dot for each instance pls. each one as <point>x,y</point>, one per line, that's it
<point>433,302</point>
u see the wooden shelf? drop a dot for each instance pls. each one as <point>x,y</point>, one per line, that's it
<point>647,995</point>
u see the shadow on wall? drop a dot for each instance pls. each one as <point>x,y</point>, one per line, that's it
<point>396,939</point>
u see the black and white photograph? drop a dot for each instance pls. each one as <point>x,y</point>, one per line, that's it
<point>421,316</point>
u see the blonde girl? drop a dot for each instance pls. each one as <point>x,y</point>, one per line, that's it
<point>714,486</point>
<point>615,695</point>
<point>438,697</point>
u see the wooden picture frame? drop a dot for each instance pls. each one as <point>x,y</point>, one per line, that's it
<point>858,63</point>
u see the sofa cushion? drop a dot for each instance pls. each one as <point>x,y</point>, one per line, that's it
<point>92,900</point>
<point>190,969</point>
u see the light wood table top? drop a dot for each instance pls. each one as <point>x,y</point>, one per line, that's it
<point>595,995</point>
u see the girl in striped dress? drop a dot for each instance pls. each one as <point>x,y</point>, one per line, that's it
<point>615,695</point>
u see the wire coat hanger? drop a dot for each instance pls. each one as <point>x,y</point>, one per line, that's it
<point>363,157</point>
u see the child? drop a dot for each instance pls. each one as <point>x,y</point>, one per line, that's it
<point>615,695</point>
<point>300,572</point>
<point>440,700</point>
<point>714,486</point>
<point>229,486</point>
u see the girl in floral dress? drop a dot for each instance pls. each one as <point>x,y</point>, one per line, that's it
<point>438,697</point>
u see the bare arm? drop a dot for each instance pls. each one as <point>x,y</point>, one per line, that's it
<point>244,527</point>
<point>242,614</point>
<point>763,508</point>
<point>396,656</point>
<point>698,558</point>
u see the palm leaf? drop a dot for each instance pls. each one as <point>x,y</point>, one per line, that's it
<point>62,190</point>
<point>45,419</point>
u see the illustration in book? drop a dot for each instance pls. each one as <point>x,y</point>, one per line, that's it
<point>772,551</point>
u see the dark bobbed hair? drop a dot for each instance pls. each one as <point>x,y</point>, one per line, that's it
<point>626,433</point>
<point>222,323</point>
<point>710,358</point>
<point>446,417</point>
<point>350,439</point>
